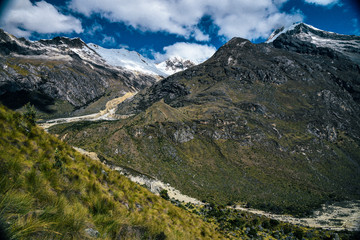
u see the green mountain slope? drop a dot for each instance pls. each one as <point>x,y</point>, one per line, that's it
<point>254,124</point>
<point>50,191</point>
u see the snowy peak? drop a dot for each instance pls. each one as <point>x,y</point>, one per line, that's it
<point>305,30</point>
<point>304,38</point>
<point>275,34</point>
<point>130,60</point>
<point>174,65</point>
<point>69,42</point>
<point>68,49</point>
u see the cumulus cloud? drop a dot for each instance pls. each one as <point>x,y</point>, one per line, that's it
<point>200,36</point>
<point>197,53</point>
<point>22,17</point>
<point>242,18</point>
<point>323,2</point>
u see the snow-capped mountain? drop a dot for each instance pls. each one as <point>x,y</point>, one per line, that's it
<point>130,60</point>
<point>301,36</point>
<point>66,70</point>
<point>174,65</point>
<point>61,47</point>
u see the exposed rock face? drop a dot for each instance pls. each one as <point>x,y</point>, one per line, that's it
<point>183,135</point>
<point>166,89</point>
<point>60,69</point>
<point>258,123</point>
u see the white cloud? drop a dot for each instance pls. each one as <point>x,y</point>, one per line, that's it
<point>108,40</point>
<point>124,46</point>
<point>96,27</point>
<point>22,17</point>
<point>197,53</point>
<point>235,18</point>
<point>323,2</point>
<point>200,36</point>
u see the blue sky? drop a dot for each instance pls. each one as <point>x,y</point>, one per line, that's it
<point>159,29</point>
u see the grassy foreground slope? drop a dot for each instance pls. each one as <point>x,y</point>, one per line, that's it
<point>50,191</point>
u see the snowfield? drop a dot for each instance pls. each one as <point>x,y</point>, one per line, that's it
<point>130,60</point>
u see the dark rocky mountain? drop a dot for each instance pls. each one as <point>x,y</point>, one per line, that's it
<point>61,76</point>
<point>274,125</point>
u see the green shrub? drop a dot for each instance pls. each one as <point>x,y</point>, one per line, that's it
<point>299,234</point>
<point>274,223</point>
<point>252,232</point>
<point>266,224</point>
<point>164,194</point>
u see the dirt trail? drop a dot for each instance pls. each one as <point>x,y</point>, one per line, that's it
<point>107,114</point>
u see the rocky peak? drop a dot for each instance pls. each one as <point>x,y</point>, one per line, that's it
<point>309,32</point>
<point>178,62</point>
<point>235,45</point>
<point>10,44</point>
<point>70,42</point>
<point>4,36</point>
<point>304,38</point>
<point>174,65</point>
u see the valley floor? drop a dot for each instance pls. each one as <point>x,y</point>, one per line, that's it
<point>107,114</point>
<point>338,216</point>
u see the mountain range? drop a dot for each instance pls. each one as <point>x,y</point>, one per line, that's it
<point>272,125</point>
<point>67,77</point>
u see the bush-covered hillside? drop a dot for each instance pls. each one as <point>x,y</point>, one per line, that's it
<point>50,191</point>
